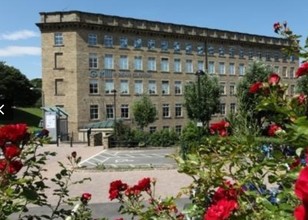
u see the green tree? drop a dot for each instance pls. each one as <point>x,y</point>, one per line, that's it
<point>203,107</point>
<point>15,86</point>
<point>144,111</point>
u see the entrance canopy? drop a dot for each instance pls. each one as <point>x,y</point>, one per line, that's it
<point>101,124</point>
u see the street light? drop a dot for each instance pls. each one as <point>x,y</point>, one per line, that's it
<point>199,123</point>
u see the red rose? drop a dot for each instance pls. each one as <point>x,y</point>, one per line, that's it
<point>133,191</point>
<point>273,79</point>
<point>227,191</point>
<point>144,184</point>
<point>301,99</point>
<point>300,213</point>
<point>221,210</point>
<point>302,70</point>
<point>86,197</point>
<point>301,185</point>
<point>3,164</point>
<point>13,133</point>
<point>11,151</point>
<point>14,166</point>
<point>113,194</point>
<point>220,128</point>
<point>272,129</point>
<point>115,188</point>
<point>254,88</point>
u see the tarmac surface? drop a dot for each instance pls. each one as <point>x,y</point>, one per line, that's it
<point>169,181</point>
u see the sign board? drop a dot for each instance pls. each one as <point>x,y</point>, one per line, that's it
<point>199,124</point>
<point>50,123</point>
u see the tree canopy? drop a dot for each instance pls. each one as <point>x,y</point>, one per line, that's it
<point>16,87</point>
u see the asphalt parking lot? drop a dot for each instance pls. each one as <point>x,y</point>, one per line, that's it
<point>131,158</point>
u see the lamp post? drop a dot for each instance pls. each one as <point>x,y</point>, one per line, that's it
<point>199,123</point>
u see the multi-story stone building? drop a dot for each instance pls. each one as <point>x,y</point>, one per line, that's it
<point>86,57</point>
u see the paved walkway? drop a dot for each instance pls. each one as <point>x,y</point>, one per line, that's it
<point>169,182</point>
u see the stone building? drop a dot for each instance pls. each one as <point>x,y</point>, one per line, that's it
<point>95,66</point>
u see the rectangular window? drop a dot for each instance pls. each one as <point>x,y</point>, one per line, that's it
<point>151,44</point>
<point>152,87</point>
<point>210,51</point>
<point>108,61</point>
<point>222,108</point>
<point>221,51</point>
<point>222,68</point>
<point>123,62</point>
<point>109,111</point>
<point>124,111</point>
<point>250,54</point>
<point>268,56</point>
<point>138,63</point>
<point>232,90</point>
<point>177,87</point>
<point>276,69</point>
<point>231,52</point>
<point>151,64</point>
<point>177,65</point>
<point>124,88</point>
<point>165,88</point>
<point>241,69</point>
<point>222,89</point>
<point>292,72</point>
<point>231,69</point>
<point>108,41</point>
<point>123,42</point>
<point>211,67</point>
<point>58,39</point>
<point>164,65</point>
<point>178,110</point>
<point>201,65</point>
<point>178,129</point>
<point>92,39</point>
<point>59,87</point>
<point>232,107</point>
<point>93,86</point>
<point>189,66</point>
<point>93,112</point>
<point>166,112</point>
<point>164,46</point>
<point>284,71</point>
<point>152,129</point>
<point>241,54</point>
<point>138,87</point>
<point>109,86</point>
<point>93,61</point>
<point>166,127</point>
<point>138,43</point>
<point>59,61</point>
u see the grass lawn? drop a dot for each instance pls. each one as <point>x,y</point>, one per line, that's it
<point>29,116</point>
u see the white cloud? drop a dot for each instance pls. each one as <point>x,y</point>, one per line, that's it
<point>19,35</point>
<point>13,51</point>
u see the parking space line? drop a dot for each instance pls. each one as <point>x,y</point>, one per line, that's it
<point>91,157</point>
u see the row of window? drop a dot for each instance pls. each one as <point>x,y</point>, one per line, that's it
<point>125,114</point>
<point>177,47</point>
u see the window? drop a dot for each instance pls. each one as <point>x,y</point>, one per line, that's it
<point>151,64</point>
<point>164,64</point>
<point>292,72</point>
<point>123,62</point>
<point>59,61</point>
<point>232,90</point>
<point>109,86</point>
<point>138,87</point>
<point>241,69</point>
<point>108,41</point>
<point>178,129</point>
<point>152,129</point>
<point>200,50</point>
<point>108,61</point>
<point>93,112</point>
<point>201,65</point>
<point>268,56</point>
<point>166,127</point>
<point>164,46</point>
<point>221,51</point>
<point>177,87</point>
<point>222,68</point>
<point>109,111</point>
<point>176,47</point>
<point>58,39</point>
<point>250,54</point>
<point>177,65</point>
<point>151,44</point>
<point>276,69</point>
<point>138,43</point>
<point>138,63</point>
<point>222,89</point>
<point>284,71</point>
<point>232,107</point>
<point>189,66</point>
<point>276,57</point>
<point>124,89</point>
<point>231,52</point>
<point>222,108</point>
<point>92,39</point>
<point>123,42</point>
<point>259,55</point>
<point>165,88</point>
<point>231,69</point>
<point>292,90</point>
<point>152,87</point>
<point>124,111</point>
<point>292,58</point>
<point>241,53</point>
<point>59,87</point>
<point>178,110</point>
<point>93,61</point>
<point>211,51</point>
<point>211,67</point>
<point>166,112</point>
<point>93,86</point>
<point>188,48</point>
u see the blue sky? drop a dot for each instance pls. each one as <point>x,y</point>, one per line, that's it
<point>20,38</point>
